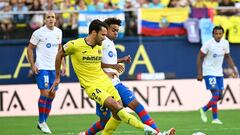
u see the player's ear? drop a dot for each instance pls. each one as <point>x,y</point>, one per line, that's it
<point>94,32</point>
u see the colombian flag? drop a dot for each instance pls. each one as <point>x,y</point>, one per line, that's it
<point>162,22</point>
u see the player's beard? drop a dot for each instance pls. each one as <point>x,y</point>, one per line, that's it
<point>99,42</point>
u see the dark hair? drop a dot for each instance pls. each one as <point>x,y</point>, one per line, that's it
<point>218,28</point>
<point>96,25</point>
<point>112,20</point>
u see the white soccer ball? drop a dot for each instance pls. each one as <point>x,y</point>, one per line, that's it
<point>198,133</point>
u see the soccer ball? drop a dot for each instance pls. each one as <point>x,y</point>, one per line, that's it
<point>198,133</point>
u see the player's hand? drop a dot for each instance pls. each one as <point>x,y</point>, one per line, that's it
<point>111,74</point>
<point>35,70</point>
<point>235,75</point>
<point>63,71</point>
<point>118,67</point>
<point>199,77</point>
<point>55,84</point>
<point>127,59</point>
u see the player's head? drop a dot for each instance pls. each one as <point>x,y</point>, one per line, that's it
<point>218,32</point>
<point>98,31</point>
<point>50,19</point>
<point>113,27</point>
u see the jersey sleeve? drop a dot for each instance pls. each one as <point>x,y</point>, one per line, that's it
<point>69,48</point>
<point>204,48</point>
<point>35,38</point>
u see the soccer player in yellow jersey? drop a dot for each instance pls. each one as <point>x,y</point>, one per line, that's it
<point>86,56</point>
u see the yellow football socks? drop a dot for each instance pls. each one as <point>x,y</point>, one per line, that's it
<point>111,126</point>
<point>130,119</point>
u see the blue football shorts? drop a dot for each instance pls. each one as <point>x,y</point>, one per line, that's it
<point>45,79</point>
<point>214,82</point>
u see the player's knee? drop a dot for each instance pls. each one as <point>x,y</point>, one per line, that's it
<point>44,93</point>
<point>133,104</point>
<point>116,106</point>
<point>113,105</point>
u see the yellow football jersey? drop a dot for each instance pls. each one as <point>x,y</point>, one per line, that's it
<point>86,61</point>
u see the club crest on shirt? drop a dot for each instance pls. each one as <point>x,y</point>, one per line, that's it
<point>104,113</point>
<point>46,84</point>
<point>99,51</point>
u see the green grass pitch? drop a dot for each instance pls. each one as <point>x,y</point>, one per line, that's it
<point>185,123</point>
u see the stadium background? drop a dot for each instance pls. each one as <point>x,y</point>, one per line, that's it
<point>161,49</point>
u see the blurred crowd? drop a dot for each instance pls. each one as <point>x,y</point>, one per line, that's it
<point>68,20</point>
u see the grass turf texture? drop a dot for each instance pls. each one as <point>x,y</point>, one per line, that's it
<point>185,123</point>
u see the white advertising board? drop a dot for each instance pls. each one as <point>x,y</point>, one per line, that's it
<point>164,95</point>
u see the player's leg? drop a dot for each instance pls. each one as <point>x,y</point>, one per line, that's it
<point>130,100</point>
<point>42,80</point>
<point>218,95</point>
<point>109,99</point>
<point>111,126</point>
<point>104,115</point>
<point>51,96</point>
<point>210,82</point>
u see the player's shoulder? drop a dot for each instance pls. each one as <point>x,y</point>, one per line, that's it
<point>38,31</point>
<point>78,41</point>
<point>107,42</point>
<point>224,41</point>
<point>208,42</point>
<point>57,29</point>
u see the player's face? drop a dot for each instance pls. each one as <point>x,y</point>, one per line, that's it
<point>50,19</point>
<point>101,36</point>
<point>218,34</point>
<point>113,31</point>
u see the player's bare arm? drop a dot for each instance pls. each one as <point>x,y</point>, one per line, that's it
<point>110,74</point>
<point>118,67</point>
<point>232,65</point>
<point>200,58</point>
<point>63,63</point>
<point>59,57</point>
<point>125,59</point>
<point>30,57</point>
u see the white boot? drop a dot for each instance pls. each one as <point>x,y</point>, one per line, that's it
<point>44,128</point>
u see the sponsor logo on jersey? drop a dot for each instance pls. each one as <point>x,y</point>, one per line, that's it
<point>217,55</point>
<point>110,54</point>
<point>91,59</point>
<point>49,45</point>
